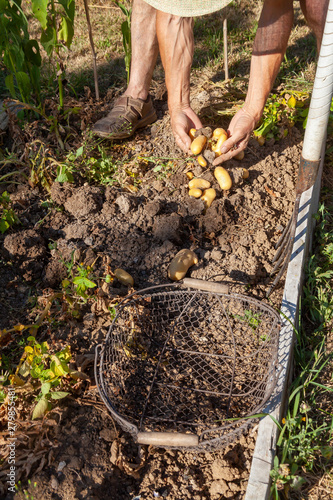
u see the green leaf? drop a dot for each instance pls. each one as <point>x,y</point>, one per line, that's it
<point>9,82</point>
<point>24,84</point>
<point>39,9</point>
<point>66,31</point>
<point>32,53</point>
<point>45,388</point>
<point>63,174</point>
<point>59,394</point>
<point>69,8</point>
<point>36,372</point>
<point>57,370</point>
<point>81,281</point>
<point>40,409</point>
<point>49,39</point>
<point>79,152</point>
<point>3,226</point>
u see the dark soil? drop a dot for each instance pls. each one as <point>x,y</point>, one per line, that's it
<point>78,452</point>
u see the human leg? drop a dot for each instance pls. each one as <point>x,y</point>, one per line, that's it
<point>144,49</point>
<point>315,14</point>
<point>176,43</point>
<point>135,109</point>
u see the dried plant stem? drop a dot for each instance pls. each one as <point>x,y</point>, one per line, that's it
<point>225,49</point>
<point>92,48</point>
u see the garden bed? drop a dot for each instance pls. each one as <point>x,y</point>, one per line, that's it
<point>128,207</point>
<point>111,227</point>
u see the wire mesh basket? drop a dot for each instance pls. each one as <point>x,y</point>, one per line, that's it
<point>186,365</point>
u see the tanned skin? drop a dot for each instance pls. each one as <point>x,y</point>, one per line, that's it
<point>173,36</point>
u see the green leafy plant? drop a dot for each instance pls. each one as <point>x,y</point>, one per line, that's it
<point>48,369</point>
<point>281,113</point>
<point>307,429</point>
<point>20,54</point>
<point>20,489</point>
<point>301,437</point>
<point>57,22</point>
<point>8,218</point>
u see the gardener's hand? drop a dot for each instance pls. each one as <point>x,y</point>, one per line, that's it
<point>239,133</point>
<point>182,120</point>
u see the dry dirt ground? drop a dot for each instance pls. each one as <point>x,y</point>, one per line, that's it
<point>77,451</point>
<point>86,455</point>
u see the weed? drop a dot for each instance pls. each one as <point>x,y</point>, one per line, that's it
<point>2,396</point>
<point>20,489</point>
<point>80,284</point>
<point>306,430</point>
<point>281,113</point>
<point>20,54</point>
<point>8,218</point>
<point>46,369</point>
<point>57,24</point>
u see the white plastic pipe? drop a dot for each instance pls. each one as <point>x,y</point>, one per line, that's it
<point>322,92</point>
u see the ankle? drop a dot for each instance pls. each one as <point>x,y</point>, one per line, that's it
<point>136,94</point>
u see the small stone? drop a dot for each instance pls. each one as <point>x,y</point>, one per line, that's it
<point>61,466</point>
<point>216,254</point>
<point>108,435</point>
<point>89,241</point>
<point>197,171</point>
<point>124,204</point>
<point>54,483</point>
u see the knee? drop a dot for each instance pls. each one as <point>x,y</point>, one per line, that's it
<point>315,14</point>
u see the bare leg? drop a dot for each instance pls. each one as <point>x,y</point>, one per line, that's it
<point>144,49</point>
<point>315,14</point>
<point>134,109</point>
<point>176,43</point>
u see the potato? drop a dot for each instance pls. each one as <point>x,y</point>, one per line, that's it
<point>261,139</point>
<point>246,173</point>
<point>180,264</point>
<point>223,178</point>
<point>124,277</point>
<point>190,175</point>
<point>202,161</point>
<point>208,197</point>
<point>220,141</point>
<point>195,192</point>
<point>218,132</point>
<point>192,133</point>
<point>198,144</point>
<point>198,183</point>
<point>239,156</point>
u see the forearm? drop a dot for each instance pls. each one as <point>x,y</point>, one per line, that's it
<point>176,44</point>
<point>270,45</point>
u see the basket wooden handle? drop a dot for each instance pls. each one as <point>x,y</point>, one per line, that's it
<point>207,286</point>
<point>168,439</point>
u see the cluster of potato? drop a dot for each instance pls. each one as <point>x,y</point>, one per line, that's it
<point>206,146</point>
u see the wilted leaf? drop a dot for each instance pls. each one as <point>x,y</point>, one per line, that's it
<point>24,369</point>
<point>45,388</point>
<point>292,102</point>
<point>78,375</point>
<point>59,394</point>
<point>40,409</point>
<point>19,328</point>
<point>16,380</point>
